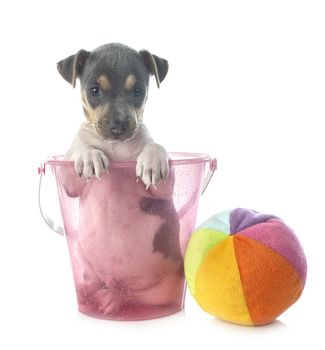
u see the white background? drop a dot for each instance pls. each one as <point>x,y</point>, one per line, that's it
<point>246,84</point>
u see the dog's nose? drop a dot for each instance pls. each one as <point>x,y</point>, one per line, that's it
<point>117,127</point>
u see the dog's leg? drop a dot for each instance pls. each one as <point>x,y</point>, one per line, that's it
<point>88,160</point>
<point>152,165</point>
<point>88,281</point>
<point>72,184</point>
<point>111,297</point>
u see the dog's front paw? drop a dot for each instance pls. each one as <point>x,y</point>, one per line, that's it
<point>152,165</point>
<point>90,162</point>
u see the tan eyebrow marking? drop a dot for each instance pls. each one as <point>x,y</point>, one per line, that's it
<point>103,82</point>
<point>129,82</point>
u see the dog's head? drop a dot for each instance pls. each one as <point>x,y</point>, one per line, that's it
<point>114,83</point>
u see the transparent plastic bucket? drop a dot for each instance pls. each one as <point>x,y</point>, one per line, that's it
<point>126,242</point>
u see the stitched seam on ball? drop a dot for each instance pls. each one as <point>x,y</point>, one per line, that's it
<point>297,295</point>
<point>241,282</point>
<point>302,282</point>
<point>248,227</point>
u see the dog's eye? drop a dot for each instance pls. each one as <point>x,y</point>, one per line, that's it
<point>137,92</point>
<point>95,91</point>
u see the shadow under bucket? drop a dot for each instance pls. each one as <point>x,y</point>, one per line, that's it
<point>127,243</point>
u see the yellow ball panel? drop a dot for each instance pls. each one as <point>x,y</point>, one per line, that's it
<point>218,288</point>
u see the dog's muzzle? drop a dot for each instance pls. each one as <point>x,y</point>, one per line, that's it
<point>118,128</point>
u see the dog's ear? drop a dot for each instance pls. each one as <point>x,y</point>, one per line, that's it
<point>157,66</point>
<point>71,67</point>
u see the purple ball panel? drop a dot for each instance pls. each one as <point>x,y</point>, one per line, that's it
<point>281,238</point>
<point>241,218</point>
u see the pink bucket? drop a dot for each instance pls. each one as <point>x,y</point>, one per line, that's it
<point>127,243</point>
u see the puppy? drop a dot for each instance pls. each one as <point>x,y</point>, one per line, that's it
<point>125,247</point>
<point>114,87</point>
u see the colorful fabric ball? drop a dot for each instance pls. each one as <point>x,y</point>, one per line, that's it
<point>245,267</point>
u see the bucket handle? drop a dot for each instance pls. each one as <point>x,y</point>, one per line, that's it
<point>49,222</point>
<point>60,230</point>
<point>208,176</point>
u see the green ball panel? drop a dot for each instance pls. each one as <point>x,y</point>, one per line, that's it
<point>198,248</point>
